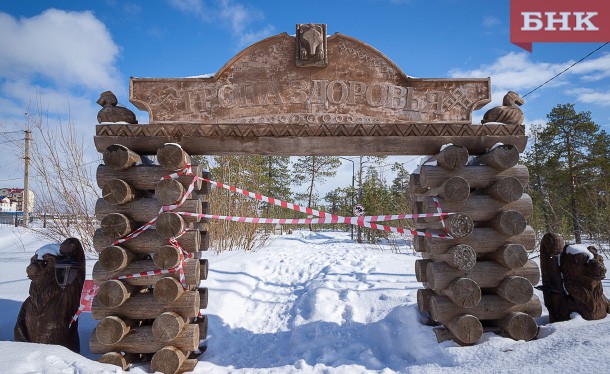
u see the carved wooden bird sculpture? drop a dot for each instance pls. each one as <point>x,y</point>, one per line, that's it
<point>509,113</point>
<point>111,112</point>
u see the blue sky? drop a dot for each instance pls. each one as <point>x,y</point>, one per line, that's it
<point>60,55</point>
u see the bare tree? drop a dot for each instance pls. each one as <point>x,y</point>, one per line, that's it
<point>64,183</point>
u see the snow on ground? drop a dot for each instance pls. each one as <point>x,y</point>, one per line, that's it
<point>312,302</point>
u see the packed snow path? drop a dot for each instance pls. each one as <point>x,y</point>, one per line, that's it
<point>313,302</point>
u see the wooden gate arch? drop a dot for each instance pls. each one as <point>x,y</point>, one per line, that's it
<point>309,94</point>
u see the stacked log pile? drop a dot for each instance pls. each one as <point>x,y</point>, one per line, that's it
<point>482,275</point>
<point>155,316</point>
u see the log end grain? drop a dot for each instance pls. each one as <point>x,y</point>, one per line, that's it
<point>168,326</point>
<point>115,358</point>
<point>466,328</point>
<point>118,192</point>
<point>113,293</point>
<point>167,257</point>
<point>515,289</point>
<point>423,299</point>
<point>115,258</point>
<point>459,225</point>
<point>519,326</point>
<point>463,257</point>
<point>116,225</point>
<point>119,157</point>
<point>169,225</point>
<point>168,360</point>
<point>509,222</point>
<point>111,330</point>
<point>512,256</point>
<point>167,290</point>
<point>452,157</point>
<point>502,157</point>
<point>455,189</point>
<point>464,292</point>
<point>169,191</point>
<point>506,189</point>
<point>172,157</point>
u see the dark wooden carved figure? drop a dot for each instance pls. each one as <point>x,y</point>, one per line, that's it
<point>509,113</point>
<point>57,282</point>
<point>111,112</point>
<point>571,278</point>
<point>311,45</point>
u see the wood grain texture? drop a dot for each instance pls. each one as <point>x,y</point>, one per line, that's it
<point>145,306</point>
<point>141,340</point>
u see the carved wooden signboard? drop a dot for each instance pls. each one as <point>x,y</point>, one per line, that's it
<point>360,102</point>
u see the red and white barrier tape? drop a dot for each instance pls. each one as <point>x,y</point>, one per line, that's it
<point>302,221</point>
<point>88,296</point>
<point>334,218</point>
<point>366,221</point>
<point>438,209</point>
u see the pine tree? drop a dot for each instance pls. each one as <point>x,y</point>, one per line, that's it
<point>561,169</point>
<point>312,170</point>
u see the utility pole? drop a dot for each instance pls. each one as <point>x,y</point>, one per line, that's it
<point>25,202</point>
<point>353,189</point>
<point>359,237</point>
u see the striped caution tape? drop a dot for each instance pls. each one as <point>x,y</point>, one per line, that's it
<point>135,233</point>
<point>299,208</point>
<point>438,209</point>
<point>187,194</point>
<point>360,221</point>
<point>88,296</point>
<point>302,221</point>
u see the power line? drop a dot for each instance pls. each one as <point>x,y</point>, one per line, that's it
<point>10,163</point>
<point>568,68</point>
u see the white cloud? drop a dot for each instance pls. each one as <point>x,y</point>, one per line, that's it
<point>595,69</point>
<point>68,48</point>
<point>591,96</point>
<point>251,37</point>
<point>514,71</point>
<point>490,21</point>
<point>238,18</point>
<point>517,72</point>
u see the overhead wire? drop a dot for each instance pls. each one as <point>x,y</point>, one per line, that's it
<point>568,68</point>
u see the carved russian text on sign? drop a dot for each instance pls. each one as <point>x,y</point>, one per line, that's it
<point>263,85</point>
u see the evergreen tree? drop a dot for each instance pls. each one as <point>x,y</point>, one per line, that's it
<point>276,180</point>
<point>312,170</point>
<point>400,185</point>
<point>567,164</point>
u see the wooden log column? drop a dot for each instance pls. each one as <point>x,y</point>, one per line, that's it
<point>135,289</point>
<point>483,272</point>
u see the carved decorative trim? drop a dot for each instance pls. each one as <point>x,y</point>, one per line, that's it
<point>299,130</point>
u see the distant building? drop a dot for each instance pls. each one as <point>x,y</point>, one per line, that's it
<point>6,205</point>
<point>15,195</point>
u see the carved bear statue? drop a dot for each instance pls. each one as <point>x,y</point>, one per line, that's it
<point>572,280</point>
<point>57,276</point>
